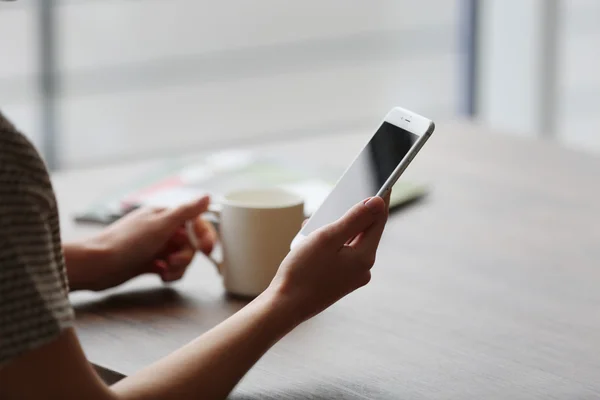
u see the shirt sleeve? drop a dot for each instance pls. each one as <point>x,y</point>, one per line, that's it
<point>34,303</point>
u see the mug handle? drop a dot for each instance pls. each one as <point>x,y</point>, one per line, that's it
<point>213,215</point>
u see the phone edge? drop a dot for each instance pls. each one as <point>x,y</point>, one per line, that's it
<point>394,176</point>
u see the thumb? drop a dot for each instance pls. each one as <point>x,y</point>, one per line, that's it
<point>357,219</point>
<point>188,211</point>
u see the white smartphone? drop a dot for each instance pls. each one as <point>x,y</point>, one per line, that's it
<point>376,168</point>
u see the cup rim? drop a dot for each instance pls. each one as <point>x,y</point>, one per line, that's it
<point>294,199</point>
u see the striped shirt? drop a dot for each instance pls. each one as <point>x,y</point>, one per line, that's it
<point>34,304</point>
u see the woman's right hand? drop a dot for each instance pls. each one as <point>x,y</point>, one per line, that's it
<point>332,261</point>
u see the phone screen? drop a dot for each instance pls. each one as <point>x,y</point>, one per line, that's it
<point>371,169</point>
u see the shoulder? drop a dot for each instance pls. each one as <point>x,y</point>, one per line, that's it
<point>18,154</point>
<point>22,170</point>
<point>28,208</point>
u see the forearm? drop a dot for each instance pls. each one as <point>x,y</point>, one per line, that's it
<point>80,258</point>
<point>211,366</point>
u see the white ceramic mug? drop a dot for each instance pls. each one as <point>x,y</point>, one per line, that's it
<point>256,228</point>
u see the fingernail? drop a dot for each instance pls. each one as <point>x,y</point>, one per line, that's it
<point>203,199</point>
<point>159,266</point>
<point>373,206</point>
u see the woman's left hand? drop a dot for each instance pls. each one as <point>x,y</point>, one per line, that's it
<point>144,241</point>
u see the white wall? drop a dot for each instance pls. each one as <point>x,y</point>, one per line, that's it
<point>514,55</point>
<point>180,75</point>
<point>539,73</point>
<point>580,81</point>
<point>149,77</point>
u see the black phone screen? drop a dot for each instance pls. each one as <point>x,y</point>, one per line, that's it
<point>367,174</point>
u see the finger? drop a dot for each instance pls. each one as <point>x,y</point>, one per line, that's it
<point>358,219</point>
<point>368,241</point>
<point>159,267</point>
<point>355,239</point>
<point>206,235</point>
<point>177,241</point>
<point>183,213</point>
<point>304,222</point>
<point>363,279</point>
<point>182,258</point>
<point>180,238</point>
<point>387,197</point>
<point>356,269</point>
<point>177,264</point>
<point>172,276</point>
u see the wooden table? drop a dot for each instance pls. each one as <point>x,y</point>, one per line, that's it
<point>488,289</point>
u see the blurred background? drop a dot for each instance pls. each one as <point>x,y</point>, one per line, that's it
<point>94,82</point>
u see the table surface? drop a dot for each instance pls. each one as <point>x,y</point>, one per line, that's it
<point>487,289</point>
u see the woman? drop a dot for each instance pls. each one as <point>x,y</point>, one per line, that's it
<point>40,355</point>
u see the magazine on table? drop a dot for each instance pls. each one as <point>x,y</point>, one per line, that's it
<point>175,182</point>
